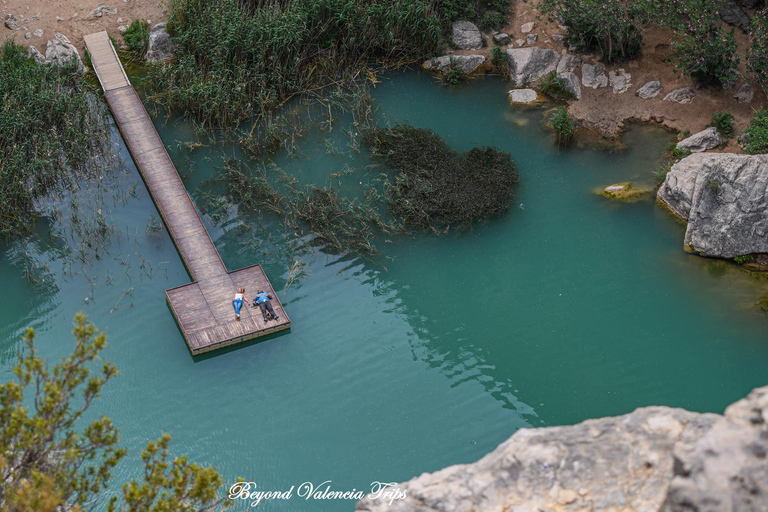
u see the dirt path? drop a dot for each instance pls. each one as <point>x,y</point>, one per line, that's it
<point>70,17</point>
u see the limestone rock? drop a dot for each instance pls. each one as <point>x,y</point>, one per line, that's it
<point>571,84</point>
<point>528,27</point>
<point>620,81</point>
<point>519,42</point>
<point>702,141</point>
<point>60,52</point>
<point>466,35</point>
<point>38,33</point>
<point>35,54</point>
<point>684,95</point>
<point>523,96</point>
<point>529,65</point>
<point>745,93</point>
<point>160,46</point>
<point>649,90</point>
<point>466,63</point>
<point>28,35</point>
<point>531,39</point>
<point>568,63</point>
<point>724,199</point>
<point>731,13</point>
<point>502,39</point>
<point>656,459</point>
<point>123,29</point>
<point>100,11</point>
<point>558,37</point>
<point>11,22</point>
<point>593,75</point>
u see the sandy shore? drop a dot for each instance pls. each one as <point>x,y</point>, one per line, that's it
<point>70,17</point>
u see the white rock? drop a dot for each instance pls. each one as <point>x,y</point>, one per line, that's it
<point>702,141</point>
<point>593,75</point>
<point>571,83</point>
<point>466,35</point>
<point>620,81</point>
<point>568,63</point>
<point>527,27</point>
<point>649,90</point>
<point>523,95</point>
<point>466,63</point>
<point>528,65</point>
<point>684,95</point>
<point>745,93</point>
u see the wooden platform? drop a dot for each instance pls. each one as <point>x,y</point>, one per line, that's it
<point>203,309</point>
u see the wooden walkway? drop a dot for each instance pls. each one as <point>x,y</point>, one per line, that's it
<point>203,309</point>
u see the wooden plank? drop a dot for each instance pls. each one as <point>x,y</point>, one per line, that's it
<point>202,309</point>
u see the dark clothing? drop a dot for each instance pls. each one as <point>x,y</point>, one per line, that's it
<point>267,306</point>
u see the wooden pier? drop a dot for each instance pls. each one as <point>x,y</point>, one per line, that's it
<point>203,309</point>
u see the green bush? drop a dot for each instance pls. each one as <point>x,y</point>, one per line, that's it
<point>137,37</point>
<point>492,20</point>
<point>53,133</point>
<point>757,52</point>
<point>563,124</point>
<point>755,140</point>
<point>723,121</point>
<point>499,60</point>
<point>454,75</point>
<point>234,60</point>
<point>554,87</point>
<point>612,28</point>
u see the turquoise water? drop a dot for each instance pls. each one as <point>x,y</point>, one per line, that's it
<point>569,307</point>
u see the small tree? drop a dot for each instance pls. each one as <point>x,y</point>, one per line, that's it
<point>564,126</point>
<point>46,465</point>
<point>757,53</point>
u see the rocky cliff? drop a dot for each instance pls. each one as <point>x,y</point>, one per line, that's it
<point>654,459</point>
<point>724,199</point>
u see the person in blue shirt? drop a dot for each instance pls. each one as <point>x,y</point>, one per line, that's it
<point>263,299</point>
<point>237,302</point>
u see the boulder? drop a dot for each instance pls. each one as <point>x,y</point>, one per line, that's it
<point>466,35</point>
<point>684,95</point>
<point>502,39</point>
<point>702,141</point>
<point>100,11</point>
<point>466,63</point>
<point>60,52</point>
<point>593,75</point>
<point>654,459</point>
<point>531,39</point>
<point>571,84</point>
<point>11,23</point>
<point>523,96</point>
<point>528,27</point>
<point>529,65</point>
<point>160,45</point>
<point>38,33</point>
<point>745,93</point>
<point>568,63</point>
<point>620,81</point>
<point>649,90</point>
<point>732,14</point>
<point>724,199</point>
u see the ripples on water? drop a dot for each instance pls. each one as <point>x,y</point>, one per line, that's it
<point>568,307</point>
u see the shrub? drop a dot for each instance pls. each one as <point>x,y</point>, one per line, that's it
<point>704,49</point>
<point>723,121</point>
<point>747,258</point>
<point>555,88</point>
<point>757,53</point>
<point>499,60</point>
<point>454,75</point>
<point>612,28</point>
<point>137,37</point>
<point>435,186</point>
<point>755,139</point>
<point>563,124</point>
<point>492,20</point>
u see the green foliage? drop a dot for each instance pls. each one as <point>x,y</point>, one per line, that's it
<point>723,121</point>
<point>563,124</point>
<point>499,60</point>
<point>746,258</point>
<point>236,59</point>
<point>611,28</point>
<point>757,52</point>
<point>53,132</point>
<point>434,186</point>
<point>492,20</point>
<point>454,75</point>
<point>713,185</point>
<point>755,139</point>
<point>554,87</point>
<point>704,48</point>
<point>137,37</point>
<point>47,465</point>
